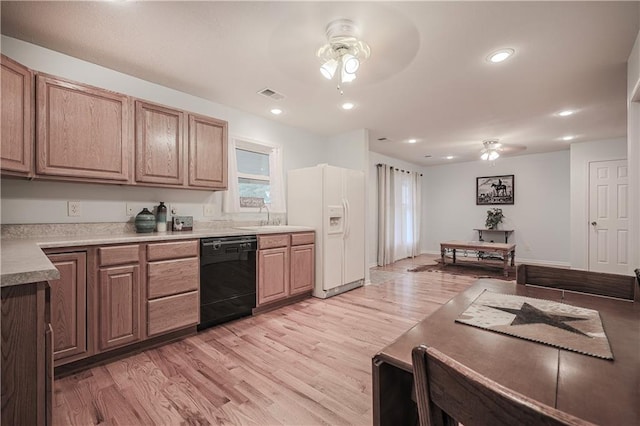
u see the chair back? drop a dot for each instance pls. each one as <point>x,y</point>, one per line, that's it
<point>449,392</point>
<point>603,284</point>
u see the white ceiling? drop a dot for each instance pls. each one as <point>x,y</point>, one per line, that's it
<point>427,77</point>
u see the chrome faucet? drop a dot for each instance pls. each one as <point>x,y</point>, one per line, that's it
<point>268,215</point>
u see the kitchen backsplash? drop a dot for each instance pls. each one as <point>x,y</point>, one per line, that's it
<point>105,228</point>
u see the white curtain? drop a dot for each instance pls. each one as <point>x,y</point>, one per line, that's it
<point>399,209</point>
<point>277,181</point>
<point>230,197</point>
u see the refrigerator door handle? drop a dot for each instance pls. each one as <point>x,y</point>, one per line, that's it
<point>345,203</point>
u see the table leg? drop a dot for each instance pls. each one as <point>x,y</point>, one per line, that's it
<point>454,255</point>
<point>442,252</point>
<point>513,257</point>
<point>505,256</point>
<point>392,395</point>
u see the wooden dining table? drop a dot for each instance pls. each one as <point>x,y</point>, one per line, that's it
<point>605,392</point>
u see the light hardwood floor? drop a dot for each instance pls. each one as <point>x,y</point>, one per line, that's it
<point>304,364</point>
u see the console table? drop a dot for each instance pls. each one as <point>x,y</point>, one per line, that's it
<point>506,233</point>
<point>506,250</point>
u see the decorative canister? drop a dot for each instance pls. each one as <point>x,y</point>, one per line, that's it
<point>161,217</point>
<point>145,221</point>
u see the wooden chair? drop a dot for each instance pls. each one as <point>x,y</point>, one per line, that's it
<point>448,392</point>
<point>612,285</point>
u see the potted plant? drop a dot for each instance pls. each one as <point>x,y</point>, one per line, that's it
<point>494,217</point>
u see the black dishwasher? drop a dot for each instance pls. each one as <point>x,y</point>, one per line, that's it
<point>227,278</point>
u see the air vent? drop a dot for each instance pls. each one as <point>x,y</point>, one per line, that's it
<point>271,94</point>
<point>427,156</point>
<point>383,139</point>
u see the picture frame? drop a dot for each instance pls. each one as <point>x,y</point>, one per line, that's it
<point>495,190</point>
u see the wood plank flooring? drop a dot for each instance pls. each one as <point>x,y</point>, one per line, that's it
<point>304,364</point>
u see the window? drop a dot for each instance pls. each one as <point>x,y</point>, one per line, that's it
<point>255,177</point>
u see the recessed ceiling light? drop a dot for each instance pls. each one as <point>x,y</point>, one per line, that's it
<point>276,111</point>
<point>449,157</point>
<point>347,105</point>
<point>412,140</point>
<point>568,138</point>
<point>500,55</point>
<point>566,113</point>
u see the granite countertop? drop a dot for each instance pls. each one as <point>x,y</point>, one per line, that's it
<point>23,260</point>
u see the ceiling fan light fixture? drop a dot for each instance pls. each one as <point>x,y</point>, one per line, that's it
<point>347,77</point>
<point>328,69</point>
<point>351,63</point>
<point>491,150</point>
<point>343,50</point>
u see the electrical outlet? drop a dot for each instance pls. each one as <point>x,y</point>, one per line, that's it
<point>73,208</point>
<point>129,209</point>
<point>209,209</point>
<point>173,210</point>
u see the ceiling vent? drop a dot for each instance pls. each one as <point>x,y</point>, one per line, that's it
<point>383,139</point>
<point>271,94</point>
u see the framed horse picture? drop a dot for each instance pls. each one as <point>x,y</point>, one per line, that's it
<point>495,190</point>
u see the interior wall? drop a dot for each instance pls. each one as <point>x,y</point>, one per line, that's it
<point>372,220</point>
<point>349,150</point>
<point>46,202</point>
<point>582,154</point>
<point>539,216</point>
<point>633,151</point>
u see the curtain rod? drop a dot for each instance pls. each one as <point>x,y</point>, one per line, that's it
<point>403,171</point>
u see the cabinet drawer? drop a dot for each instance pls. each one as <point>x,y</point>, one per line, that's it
<point>271,241</point>
<point>173,312</point>
<point>172,277</point>
<point>173,250</point>
<point>303,238</point>
<point>118,255</point>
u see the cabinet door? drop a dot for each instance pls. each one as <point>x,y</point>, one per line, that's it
<point>119,304</point>
<point>159,148</point>
<point>82,131</point>
<point>17,118</point>
<point>207,152</point>
<point>302,268</point>
<point>69,306</point>
<point>273,274</point>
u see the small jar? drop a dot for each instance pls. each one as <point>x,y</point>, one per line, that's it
<point>145,221</point>
<point>161,217</point>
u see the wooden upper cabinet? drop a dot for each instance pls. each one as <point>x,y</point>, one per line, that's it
<point>207,152</point>
<point>17,118</point>
<point>82,131</point>
<point>159,144</point>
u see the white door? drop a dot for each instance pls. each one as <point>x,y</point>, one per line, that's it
<point>354,248</point>
<point>608,217</point>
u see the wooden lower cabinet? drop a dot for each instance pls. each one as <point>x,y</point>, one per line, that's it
<point>273,274</point>
<point>285,267</point>
<point>302,268</point>
<point>27,355</point>
<point>173,312</point>
<point>173,283</point>
<point>69,307</point>
<point>119,306</point>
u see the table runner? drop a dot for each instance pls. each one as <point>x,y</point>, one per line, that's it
<point>543,321</point>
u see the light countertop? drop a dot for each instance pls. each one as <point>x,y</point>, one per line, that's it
<point>23,260</point>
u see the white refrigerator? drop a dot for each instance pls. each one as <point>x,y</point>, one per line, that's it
<point>332,201</point>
